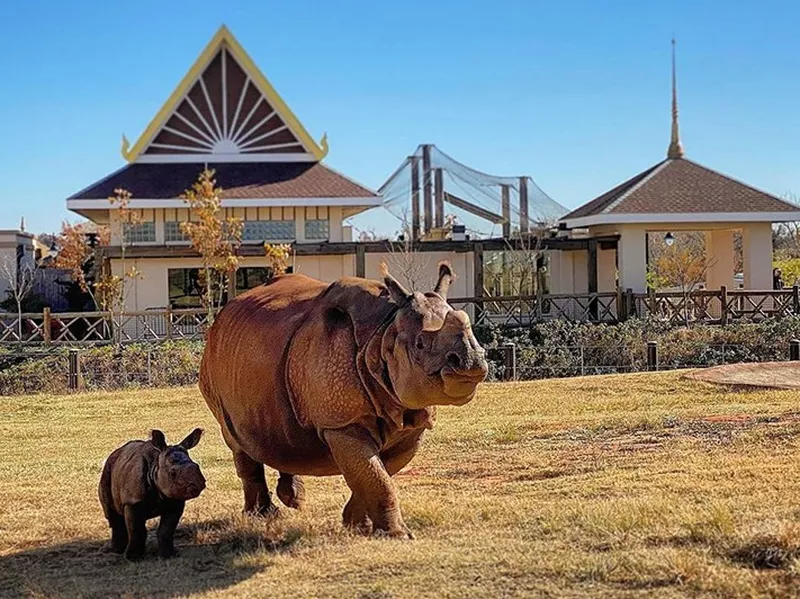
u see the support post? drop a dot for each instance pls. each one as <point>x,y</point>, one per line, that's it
<point>652,355</point>
<point>231,281</point>
<point>506,200</point>
<point>168,323</point>
<point>478,289</point>
<point>361,269</point>
<point>74,370</point>
<point>426,187</point>
<point>592,276</point>
<point>510,362</point>
<point>723,299</point>
<point>414,197</point>
<point>794,350</point>
<point>621,311</point>
<point>795,300</point>
<point>524,226</point>
<point>46,327</point>
<point>630,303</point>
<point>438,184</point>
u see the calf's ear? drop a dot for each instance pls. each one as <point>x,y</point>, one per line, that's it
<point>192,439</point>
<point>158,439</point>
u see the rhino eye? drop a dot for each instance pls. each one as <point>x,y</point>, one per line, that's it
<point>420,343</point>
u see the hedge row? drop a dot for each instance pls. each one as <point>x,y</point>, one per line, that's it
<point>549,349</point>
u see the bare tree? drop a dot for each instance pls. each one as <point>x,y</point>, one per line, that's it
<point>19,277</point>
<point>406,261</point>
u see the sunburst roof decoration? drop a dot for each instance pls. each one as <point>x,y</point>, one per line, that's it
<point>224,110</point>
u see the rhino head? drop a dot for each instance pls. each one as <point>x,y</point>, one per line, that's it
<point>177,476</point>
<point>429,350</point>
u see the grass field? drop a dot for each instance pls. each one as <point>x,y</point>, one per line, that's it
<point>612,486</point>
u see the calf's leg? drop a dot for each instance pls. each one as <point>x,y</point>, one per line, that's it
<point>257,499</point>
<point>136,525</point>
<point>291,490</point>
<point>119,532</point>
<point>357,456</point>
<point>166,530</point>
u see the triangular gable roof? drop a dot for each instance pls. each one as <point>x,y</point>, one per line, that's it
<point>223,110</point>
<point>680,188</point>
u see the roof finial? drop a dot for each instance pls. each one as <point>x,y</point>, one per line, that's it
<point>675,148</point>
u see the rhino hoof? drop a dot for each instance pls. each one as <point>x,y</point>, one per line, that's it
<point>268,512</point>
<point>402,534</point>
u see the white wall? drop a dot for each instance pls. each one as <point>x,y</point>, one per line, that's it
<point>424,265</point>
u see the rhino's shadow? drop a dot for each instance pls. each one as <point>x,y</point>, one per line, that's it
<point>87,568</point>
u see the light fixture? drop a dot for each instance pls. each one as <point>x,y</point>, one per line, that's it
<point>669,238</point>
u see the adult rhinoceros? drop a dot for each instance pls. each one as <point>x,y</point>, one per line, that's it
<point>324,379</point>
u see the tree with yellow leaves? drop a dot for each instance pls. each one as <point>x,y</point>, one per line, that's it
<point>215,237</point>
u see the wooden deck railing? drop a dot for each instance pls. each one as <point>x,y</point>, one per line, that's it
<point>720,306</point>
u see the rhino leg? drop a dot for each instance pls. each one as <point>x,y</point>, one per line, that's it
<point>355,516</point>
<point>119,532</point>
<point>257,499</point>
<point>395,459</point>
<point>136,524</point>
<point>291,490</point>
<point>358,458</point>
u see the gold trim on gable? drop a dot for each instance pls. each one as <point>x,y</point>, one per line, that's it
<point>223,37</point>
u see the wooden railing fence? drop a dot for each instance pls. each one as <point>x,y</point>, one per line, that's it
<point>721,306</point>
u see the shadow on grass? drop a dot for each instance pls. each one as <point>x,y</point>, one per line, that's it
<point>209,558</point>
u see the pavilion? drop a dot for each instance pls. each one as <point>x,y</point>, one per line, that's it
<point>676,194</point>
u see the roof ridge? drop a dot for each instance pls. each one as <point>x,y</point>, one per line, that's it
<point>638,185</point>
<point>740,182</point>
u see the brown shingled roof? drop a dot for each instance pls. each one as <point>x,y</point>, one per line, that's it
<point>241,180</point>
<point>681,186</point>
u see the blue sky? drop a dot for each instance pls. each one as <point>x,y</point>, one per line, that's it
<point>576,94</point>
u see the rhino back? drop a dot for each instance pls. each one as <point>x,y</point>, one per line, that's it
<point>124,478</point>
<point>242,374</point>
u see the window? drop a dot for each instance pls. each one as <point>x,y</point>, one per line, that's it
<point>268,230</point>
<point>186,285</point>
<point>139,232</point>
<point>173,233</point>
<point>317,229</point>
<point>247,278</point>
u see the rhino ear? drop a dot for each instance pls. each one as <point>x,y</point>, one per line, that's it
<point>397,292</point>
<point>192,439</point>
<point>446,276</point>
<point>158,439</point>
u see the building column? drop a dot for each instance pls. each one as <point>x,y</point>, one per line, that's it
<point>606,270</point>
<point>632,258</point>
<point>719,259</point>
<point>757,255</point>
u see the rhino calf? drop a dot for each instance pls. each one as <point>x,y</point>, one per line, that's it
<point>147,479</point>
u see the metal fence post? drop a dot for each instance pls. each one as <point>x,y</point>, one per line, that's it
<point>510,362</point>
<point>652,355</point>
<point>74,370</point>
<point>583,362</point>
<point>794,350</point>
<point>149,368</point>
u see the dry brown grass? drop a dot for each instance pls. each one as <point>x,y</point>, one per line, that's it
<point>596,487</point>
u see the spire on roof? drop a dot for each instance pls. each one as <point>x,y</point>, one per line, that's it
<point>675,148</point>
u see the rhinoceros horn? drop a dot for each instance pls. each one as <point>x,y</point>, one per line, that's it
<point>446,276</point>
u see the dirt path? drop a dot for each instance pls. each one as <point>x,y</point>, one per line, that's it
<point>769,375</point>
